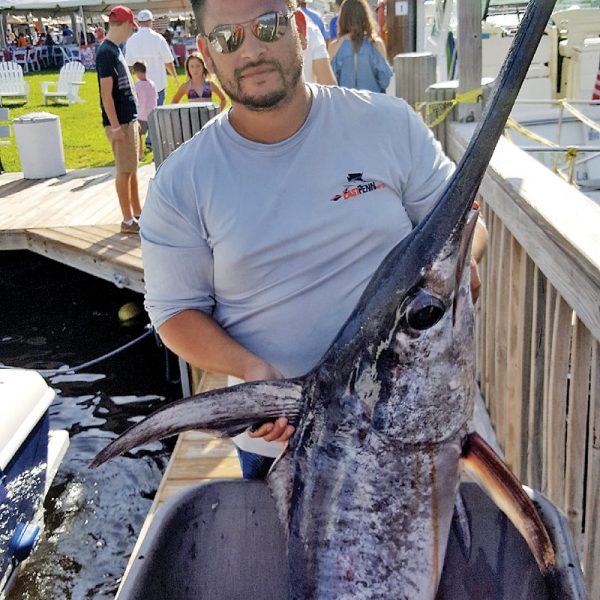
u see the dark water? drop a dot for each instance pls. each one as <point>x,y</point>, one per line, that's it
<point>51,316</point>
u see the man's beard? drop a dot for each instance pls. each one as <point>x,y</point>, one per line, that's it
<point>268,101</point>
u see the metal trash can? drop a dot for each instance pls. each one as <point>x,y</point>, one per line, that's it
<point>39,141</point>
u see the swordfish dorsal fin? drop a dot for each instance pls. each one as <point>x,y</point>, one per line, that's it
<point>223,413</point>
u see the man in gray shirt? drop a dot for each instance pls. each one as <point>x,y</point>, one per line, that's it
<point>260,233</point>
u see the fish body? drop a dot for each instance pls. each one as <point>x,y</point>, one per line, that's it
<point>366,487</point>
<point>375,463</point>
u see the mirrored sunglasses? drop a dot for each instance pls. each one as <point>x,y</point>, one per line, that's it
<point>269,27</point>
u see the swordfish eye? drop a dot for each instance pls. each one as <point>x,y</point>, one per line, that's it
<point>423,310</point>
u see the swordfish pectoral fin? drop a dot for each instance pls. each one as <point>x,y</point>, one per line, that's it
<point>484,465</point>
<point>223,413</point>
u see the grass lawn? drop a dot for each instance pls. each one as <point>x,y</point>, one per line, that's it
<point>84,140</point>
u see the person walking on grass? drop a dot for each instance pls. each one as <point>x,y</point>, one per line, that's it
<point>198,87</point>
<point>150,47</point>
<point>119,113</point>
<point>145,91</point>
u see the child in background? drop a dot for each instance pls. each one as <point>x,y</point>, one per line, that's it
<point>198,87</point>
<point>147,99</point>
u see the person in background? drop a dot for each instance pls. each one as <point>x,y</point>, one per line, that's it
<point>333,23</point>
<point>67,33</point>
<point>11,38</point>
<point>119,113</point>
<point>198,87</point>
<point>150,47</point>
<point>147,96</point>
<point>358,56</point>
<point>22,41</point>
<point>314,16</point>
<point>380,11</point>
<point>49,41</point>
<point>99,33</point>
<point>317,67</point>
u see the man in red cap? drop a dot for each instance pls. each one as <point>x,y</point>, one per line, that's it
<point>119,113</point>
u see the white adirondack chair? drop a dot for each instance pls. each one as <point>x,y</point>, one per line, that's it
<point>67,86</point>
<point>12,82</point>
<point>4,133</point>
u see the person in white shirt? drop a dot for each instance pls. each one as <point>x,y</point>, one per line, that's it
<point>317,66</point>
<point>151,48</point>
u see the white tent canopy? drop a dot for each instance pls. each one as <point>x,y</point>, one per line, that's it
<point>55,7</point>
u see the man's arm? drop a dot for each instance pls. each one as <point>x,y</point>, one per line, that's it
<point>322,72</point>
<point>198,339</point>
<point>480,241</point>
<point>170,66</point>
<point>106,86</point>
<point>478,248</point>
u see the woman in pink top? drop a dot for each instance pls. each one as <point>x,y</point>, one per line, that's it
<point>198,87</point>
<point>147,99</point>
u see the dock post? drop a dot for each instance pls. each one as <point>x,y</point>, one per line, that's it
<point>414,73</point>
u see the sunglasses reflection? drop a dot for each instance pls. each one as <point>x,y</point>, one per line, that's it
<point>268,27</point>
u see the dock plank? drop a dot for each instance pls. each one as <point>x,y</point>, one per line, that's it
<point>81,197</point>
<point>197,458</point>
<point>74,219</point>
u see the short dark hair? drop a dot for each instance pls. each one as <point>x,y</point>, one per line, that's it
<point>198,8</point>
<point>139,67</point>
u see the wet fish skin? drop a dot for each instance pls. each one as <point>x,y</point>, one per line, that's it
<point>375,459</point>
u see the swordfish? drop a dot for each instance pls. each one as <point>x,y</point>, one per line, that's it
<point>366,487</point>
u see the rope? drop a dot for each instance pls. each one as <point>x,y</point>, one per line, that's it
<point>579,115</point>
<point>52,372</point>
<point>434,113</point>
<point>513,124</point>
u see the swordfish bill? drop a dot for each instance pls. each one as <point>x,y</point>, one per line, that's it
<point>366,487</point>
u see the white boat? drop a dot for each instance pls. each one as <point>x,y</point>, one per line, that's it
<point>30,454</point>
<point>554,118</point>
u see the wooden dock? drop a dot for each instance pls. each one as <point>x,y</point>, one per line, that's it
<point>197,457</point>
<point>74,219</point>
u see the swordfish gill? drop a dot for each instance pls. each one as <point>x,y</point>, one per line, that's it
<point>366,486</point>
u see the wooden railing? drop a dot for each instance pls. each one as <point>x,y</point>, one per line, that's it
<point>538,335</point>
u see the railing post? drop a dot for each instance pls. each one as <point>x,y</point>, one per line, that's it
<point>414,73</point>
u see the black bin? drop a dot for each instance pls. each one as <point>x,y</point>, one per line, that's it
<point>223,540</point>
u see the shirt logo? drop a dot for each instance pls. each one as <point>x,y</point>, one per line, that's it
<point>357,186</point>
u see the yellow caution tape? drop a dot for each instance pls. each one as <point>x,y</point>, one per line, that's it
<point>470,97</point>
<point>513,124</point>
<point>436,112</point>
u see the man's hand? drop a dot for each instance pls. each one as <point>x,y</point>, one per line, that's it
<point>118,135</point>
<point>279,431</point>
